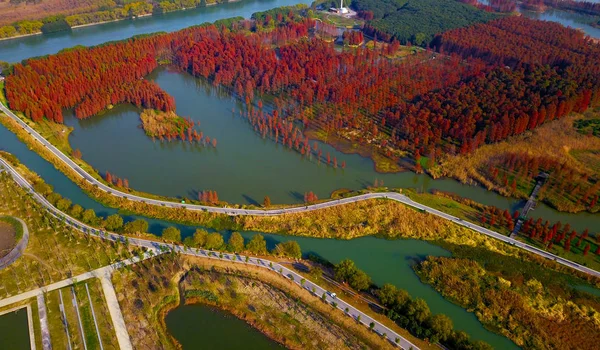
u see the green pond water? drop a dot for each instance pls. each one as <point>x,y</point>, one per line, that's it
<point>192,325</point>
<point>14,331</point>
<point>243,168</point>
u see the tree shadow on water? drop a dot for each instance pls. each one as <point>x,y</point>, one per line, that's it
<point>250,200</point>
<point>296,195</point>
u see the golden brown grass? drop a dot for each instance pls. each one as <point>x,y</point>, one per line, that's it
<point>557,140</point>
<point>528,312</point>
<point>303,320</point>
<point>149,290</point>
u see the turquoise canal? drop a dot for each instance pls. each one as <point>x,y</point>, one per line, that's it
<point>385,261</point>
<point>14,331</point>
<point>214,329</point>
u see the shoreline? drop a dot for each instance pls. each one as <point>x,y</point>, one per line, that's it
<point>111,21</point>
<point>20,36</point>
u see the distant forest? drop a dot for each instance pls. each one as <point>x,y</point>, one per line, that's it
<point>418,21</point>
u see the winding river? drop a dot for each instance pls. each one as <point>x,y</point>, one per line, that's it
<point>386,261</point>
<point>244,168</point>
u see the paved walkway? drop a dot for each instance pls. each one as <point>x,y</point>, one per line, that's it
<point>115,311</point>
<point>43,314</point>
<point>234,211</point>
<point>31,329</point>
<point>67,282</point>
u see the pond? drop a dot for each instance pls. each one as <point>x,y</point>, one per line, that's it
<point>244,168</point>
<point>14,330</point>
<point>198,324</point>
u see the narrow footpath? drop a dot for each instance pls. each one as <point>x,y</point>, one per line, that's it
<point>43,314</point>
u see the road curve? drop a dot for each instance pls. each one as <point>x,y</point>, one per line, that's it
<point>272,212</point>
<point>294,277</point>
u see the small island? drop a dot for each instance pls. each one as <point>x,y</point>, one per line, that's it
<point>169,126</point>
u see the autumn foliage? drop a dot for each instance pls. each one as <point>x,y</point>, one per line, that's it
<point>485,83</point>
<point>565,184</point>
<point>88,80</point>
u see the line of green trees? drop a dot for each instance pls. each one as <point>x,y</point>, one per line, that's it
<point>200,239</point>
<point>416,22</point>
<point>411,314</point>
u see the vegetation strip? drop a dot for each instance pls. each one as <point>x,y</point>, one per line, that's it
<point>181,249</point>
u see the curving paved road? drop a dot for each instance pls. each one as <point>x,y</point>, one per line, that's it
<point>259,212</point>
<point>160,247</point>
<point>229,211</point>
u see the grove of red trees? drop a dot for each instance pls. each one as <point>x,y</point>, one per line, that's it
<point>564,182</point>
<point>485,83</point>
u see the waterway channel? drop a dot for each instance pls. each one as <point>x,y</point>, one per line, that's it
<point>386,261</point>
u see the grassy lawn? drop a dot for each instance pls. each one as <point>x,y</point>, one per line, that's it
<point>450,206</point>
<point>2,96</point>
<point>339,21</point>
<point>72,320</point>
<point>589,157</point>
<point>37,327</point>
<point>57,134</point>
<point>55,325</point>
<point>107,332</point>
<point>54,252</point>
<point>87,320</point>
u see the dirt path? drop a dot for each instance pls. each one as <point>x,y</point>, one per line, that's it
<point>7,238</point>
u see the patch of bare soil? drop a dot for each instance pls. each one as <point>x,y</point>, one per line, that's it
<point>7,238</point>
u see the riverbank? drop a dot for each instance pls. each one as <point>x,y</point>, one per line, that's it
<point>20,36</point>
<point>110,21</point>
<point>398,221</point>
<point>530,307</point>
